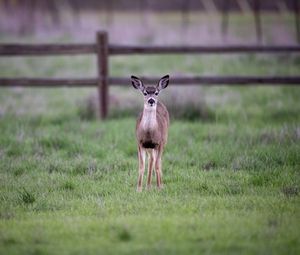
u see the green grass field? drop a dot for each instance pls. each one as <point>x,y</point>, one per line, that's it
<point>231,169</point>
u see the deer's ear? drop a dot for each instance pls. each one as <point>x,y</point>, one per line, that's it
<point>137,83</point>
<point>163,82</point>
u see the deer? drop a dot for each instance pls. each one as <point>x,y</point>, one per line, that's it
<point>151,131</point>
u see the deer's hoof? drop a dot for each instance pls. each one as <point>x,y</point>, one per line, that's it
<point>161,187</point>
<point>139,189</point>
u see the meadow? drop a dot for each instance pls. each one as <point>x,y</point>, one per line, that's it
<point>230,169</point>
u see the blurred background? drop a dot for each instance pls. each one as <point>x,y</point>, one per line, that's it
<point>150,21</point>
<point>147,22</point>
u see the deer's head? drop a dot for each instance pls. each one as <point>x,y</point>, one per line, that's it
<point>150,93</point>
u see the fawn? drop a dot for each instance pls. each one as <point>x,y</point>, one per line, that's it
<point>151,130</point>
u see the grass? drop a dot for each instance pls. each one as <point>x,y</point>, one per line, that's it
<point>231,184</point>
<point>67,183</point>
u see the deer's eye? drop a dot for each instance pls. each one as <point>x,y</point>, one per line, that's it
<point>145,93</point>
<point>156,93</point>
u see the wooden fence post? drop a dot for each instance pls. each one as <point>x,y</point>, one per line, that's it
<point>102,62</point>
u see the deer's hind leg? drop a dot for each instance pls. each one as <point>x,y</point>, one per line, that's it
<point>151,161</point>
<point>158,170</point>
<point>141,156</point>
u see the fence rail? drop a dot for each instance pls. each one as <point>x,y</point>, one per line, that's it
<point>72,49</point>
<point>46,49</point>
<point>123,81</point>
<point>103,50</point>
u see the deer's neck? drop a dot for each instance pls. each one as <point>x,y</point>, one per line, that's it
<point>149,121</point>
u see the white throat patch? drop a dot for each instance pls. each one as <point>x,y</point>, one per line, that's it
<point>148,121</point>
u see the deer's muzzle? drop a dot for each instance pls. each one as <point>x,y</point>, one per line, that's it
<point>151,101</point>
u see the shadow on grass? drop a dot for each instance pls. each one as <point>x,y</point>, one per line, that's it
<point>283,115</point>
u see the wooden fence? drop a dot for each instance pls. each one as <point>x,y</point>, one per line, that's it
<point>103,50</point>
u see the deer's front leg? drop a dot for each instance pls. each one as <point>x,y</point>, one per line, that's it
<point>158,167</point>
<point>150,167</point>
<point>141,155</point>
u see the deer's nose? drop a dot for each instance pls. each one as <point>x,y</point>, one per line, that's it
<point>151,101</point>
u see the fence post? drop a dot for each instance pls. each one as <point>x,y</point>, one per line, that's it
<point>102,63</point>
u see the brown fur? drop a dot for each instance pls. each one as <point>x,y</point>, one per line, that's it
<point>156,137</point>
<point>152,141</point>
<point>151,130</point>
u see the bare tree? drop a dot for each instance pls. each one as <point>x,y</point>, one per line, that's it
<point>109,9</point>
<point>185,18</point>
<point>26,14</point>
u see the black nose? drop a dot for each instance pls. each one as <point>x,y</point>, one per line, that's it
<point>151,101</point>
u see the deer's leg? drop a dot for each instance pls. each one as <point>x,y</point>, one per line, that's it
<point>150,167</point>
<point>158,167</point>
<point>141,155</point>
